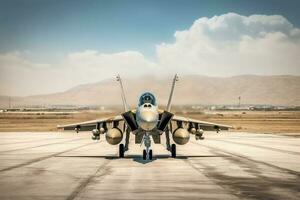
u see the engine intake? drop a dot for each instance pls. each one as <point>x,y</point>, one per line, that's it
<point>114,136</point>
<point>181,136</point>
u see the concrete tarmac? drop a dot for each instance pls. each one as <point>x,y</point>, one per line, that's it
<point>66,165</point>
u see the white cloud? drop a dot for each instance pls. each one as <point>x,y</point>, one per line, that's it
<point>232,44</point>
<point>16,59</point>
<point>122,61</point>
<point>224,45</point>
<point>24,77</point>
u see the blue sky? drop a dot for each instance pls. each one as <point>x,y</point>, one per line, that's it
<point>51,28</point>
<point>51,46</point>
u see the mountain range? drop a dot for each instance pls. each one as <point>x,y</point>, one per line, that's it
<point>190,89</point>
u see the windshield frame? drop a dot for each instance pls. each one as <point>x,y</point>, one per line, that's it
<point>142,99</point>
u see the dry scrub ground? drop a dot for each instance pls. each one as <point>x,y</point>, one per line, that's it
<point>44,121</point>
<point>283,122</point>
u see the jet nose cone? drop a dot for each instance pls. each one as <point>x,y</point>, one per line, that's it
<point>148,116</point>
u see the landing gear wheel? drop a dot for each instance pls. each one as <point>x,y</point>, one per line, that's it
<point>144,154</point>
<point>173,150</point>
<point>121,150</point>
<point>150,154</point>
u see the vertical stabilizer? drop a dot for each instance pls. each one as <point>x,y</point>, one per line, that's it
<point>171,93</point>
<point>126,108</point>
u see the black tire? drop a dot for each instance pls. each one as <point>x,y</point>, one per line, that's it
<point>121,151</point>
<point>150,154</point>
<point>144,154</point>
<point>173,150</point>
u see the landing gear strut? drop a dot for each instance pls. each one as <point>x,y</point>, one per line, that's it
<point>127,139</point>
<point>147,153</point>
<point>173,150</point>
<point>122,147</point>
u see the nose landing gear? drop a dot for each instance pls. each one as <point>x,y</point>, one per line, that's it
<point>144,154</point>
<point>150,154</point>
<point>147,153</point>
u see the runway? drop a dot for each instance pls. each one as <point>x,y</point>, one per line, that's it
<point>66,165</point>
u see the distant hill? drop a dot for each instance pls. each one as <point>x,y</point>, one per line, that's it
<point>193,89</point>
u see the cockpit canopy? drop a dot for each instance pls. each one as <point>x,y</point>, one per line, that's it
<point>147,97</point>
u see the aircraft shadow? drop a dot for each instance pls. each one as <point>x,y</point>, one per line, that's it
<point>139,158</point>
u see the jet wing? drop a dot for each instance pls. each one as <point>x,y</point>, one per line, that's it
<point>206,126</point>
<point>90,125</point>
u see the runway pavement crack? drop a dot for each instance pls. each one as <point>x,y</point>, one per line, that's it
<point>25,148</point>
<point>21,142</point>
<point>100,171</point>
<point>259,146</point>
<point>256,186</point>
<point>42,158</point>
<point>292,172</point>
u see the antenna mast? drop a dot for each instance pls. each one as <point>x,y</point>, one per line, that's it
<point>171,93</point>
<point>122,93</point>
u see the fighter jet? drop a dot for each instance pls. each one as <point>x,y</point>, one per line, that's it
<point>146,123</point>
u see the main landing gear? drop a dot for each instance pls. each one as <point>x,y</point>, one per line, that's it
<point>122,147</point>
<point>121,150</point>
<point>171,148</point>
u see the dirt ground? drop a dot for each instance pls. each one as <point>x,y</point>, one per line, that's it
<point>282,122</point>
